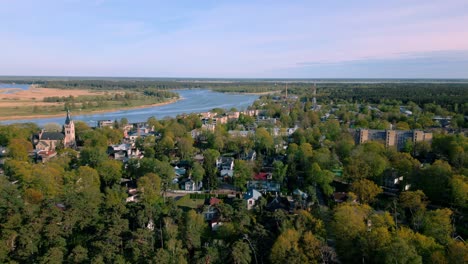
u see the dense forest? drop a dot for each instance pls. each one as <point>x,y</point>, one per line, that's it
<point>443,94</point>
<point>333,205</point>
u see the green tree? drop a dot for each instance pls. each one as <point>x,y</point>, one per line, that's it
<point>185,147</point>
<point>19,148</point>
<point>92,156</point>
<point>197,173</point>
<point>279,171</point>
<point>209,164</point>
<point>459,186</point>
<point>149,187</point>
<point>110,172</point>
<point>242,173</point>
<point>399,251</point>
<point>438,225</point>
<point>415,202</point>
<point>434,180</point>
<point>349,225</point>
<point>194,228</point>
<point>365,190</point>
<point>263,140</point>
<point>241,253</point>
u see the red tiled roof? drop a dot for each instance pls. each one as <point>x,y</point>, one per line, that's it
<point>262,176</point>
<point>214,200</point>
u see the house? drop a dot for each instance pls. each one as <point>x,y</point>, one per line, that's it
<point>212,213</point>
<point>251,197</point>
<point>264,186</point>
<point>405,111</point>
<point>3,151</point>
<point>199,158</point>
<point>195,133</point>
<point>241,133</point>
<point>392,183</point>
<point>44,155</point>
<point>262,176</point>
<point>51,140</point>
<point>281,203</point>
<point>190,185</point>
<point>121,151</point>
<point>179,172</point>
<point>136,134</point>
<point>340,197</point>
<point>442,121</point>
<point>105,123</point>
<point>133,195</point>
<point>225,163</point>
<point>300,194</point>
<point>250,156</point>
<point>227,174</point>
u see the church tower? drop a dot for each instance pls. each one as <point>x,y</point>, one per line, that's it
<point>69,131</point>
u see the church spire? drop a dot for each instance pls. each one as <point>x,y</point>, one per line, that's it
<point>68,119</point>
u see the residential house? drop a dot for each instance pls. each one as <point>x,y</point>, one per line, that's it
<point>340,197</point>
<point>105,123</point>
<point>190,185</point>
<point>281,203</point>
<point>251,197</point>
<point>225,163</point>
<point>262,176</point>
<point>3,151</point>
<point>226,175</point>
<point>264,186</point>
<point>212,213</point>
<point>179,172</point>
<point>241,133</point>
<point>120,151</point>
<point>302,195</point>
<point>249,156</point>
<point>44,155</point>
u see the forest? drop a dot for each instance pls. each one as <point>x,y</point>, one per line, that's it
<point>334,205</point>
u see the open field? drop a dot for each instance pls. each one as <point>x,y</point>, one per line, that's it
<point>32,103</point>
<point>38,94</point>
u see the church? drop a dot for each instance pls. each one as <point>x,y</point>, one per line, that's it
<point>51,140</point>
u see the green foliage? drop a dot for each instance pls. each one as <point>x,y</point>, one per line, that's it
<point>365,190</point>
<point>242,173</point>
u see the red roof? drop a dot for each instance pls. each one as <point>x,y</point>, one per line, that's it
<point>214,200</point>
<point>262,176</point>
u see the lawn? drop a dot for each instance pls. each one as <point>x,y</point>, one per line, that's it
<point>186,203</point>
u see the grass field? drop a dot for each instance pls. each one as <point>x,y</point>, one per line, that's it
<point>186,203</point>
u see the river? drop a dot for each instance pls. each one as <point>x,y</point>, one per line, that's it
<point>193,101</point>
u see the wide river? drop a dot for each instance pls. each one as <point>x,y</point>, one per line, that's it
<point>193,101</point>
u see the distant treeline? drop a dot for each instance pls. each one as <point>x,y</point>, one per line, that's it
<point>241,87</point>
<point>451,95</point>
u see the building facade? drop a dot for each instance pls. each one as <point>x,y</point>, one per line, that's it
<point>49,141</point>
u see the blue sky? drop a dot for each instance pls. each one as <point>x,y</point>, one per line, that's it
<point>229,39</point>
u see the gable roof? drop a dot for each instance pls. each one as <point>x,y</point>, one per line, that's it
<point>52,136</point>
<point>261,176</point>
<point>252,194</point>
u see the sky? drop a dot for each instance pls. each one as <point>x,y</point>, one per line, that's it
<point>235,39</point>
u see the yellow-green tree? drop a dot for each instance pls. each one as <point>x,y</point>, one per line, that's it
<point>365,190</point>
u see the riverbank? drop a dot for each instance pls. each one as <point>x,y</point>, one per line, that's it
<point>86,112</point>
<point>245,93</point>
